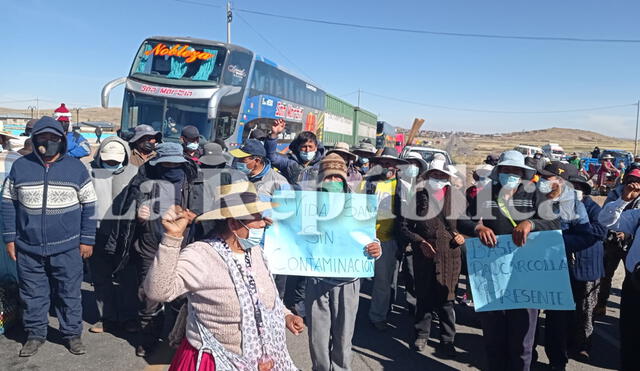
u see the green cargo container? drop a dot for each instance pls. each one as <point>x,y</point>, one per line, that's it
<point>365,125</point>
<point>338,122</point>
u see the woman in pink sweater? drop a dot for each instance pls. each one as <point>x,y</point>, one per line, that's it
<point>236,321</point>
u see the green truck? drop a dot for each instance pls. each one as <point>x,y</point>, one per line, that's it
<point>343,122</point>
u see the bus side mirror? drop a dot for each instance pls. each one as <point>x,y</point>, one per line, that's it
<point>106,91</point>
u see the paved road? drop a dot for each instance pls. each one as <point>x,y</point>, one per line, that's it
<point>373,350</point>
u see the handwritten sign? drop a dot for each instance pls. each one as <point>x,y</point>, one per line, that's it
<point>321,234</point>
<point>534,276</point>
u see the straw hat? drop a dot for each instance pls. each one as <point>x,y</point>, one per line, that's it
<point>237,201</point>
<point>342,147</point>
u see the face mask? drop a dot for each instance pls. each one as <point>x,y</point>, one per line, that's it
<point>544,186</point>
<point>192,146</point>
<point>579,195</point>
<point>390,172</point>
<point>364,168</point>
<point>242,167</point>
<point>509,181</point>
<point>437,184</point>
<point>412,171</point>
<point>172,174</point>
<point>111,167</point>
<point>307,156</point>
<point>49,148</point>
<point>333,186</point>
<point>254,238</point>
<point>147,147</point>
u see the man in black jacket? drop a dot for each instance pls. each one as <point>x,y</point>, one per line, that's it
<point>510,206</point>
<point>165,180</point>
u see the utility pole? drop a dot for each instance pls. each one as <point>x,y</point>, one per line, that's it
<point>78,117</point>
<point>229,19</point>
<point>37,107</point>
<point>358,98</point>
<point>31,108</point>
<point>635,143</point>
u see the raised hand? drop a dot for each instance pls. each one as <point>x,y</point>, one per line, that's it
<point>176,220</point>
<point>278,127</point>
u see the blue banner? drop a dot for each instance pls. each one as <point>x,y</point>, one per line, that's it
<point>534,276</point>
<point>321,234</point>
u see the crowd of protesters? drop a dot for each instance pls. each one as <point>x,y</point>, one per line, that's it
<point>173,234</point>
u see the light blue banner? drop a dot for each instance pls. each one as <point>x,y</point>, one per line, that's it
<point>321,234</point>
<point>534,276</point>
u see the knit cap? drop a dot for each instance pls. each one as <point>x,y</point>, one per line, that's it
<point>332,164</point>
<point>62,113</point>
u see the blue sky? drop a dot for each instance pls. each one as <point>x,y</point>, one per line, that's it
<point>67,50</point>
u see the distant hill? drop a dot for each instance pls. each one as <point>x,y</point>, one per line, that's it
<point>472,148</point>
<point>86,114</point>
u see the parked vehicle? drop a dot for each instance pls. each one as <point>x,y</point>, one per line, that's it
<point>591,165</point>
<point>553,151</point>
<point>227,91</point>
<point>527,150</point>
<point>427,153</point>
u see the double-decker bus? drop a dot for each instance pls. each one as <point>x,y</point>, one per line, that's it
<point>225,90</point>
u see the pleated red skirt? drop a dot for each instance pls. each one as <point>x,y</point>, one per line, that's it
<point>186,358</point>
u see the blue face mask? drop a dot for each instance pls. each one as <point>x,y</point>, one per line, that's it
<point>412,171</point>
<point>544,186</point>
<point>111,167</point>
<point>242,167</point>
<point>192,146</point>
<point>509,181</point>
<point>255,237</point>
<point>307,156</point>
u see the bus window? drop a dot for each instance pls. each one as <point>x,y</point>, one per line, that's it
<point>237,68</point>
<point>167,115</point>
<point>179,61</point>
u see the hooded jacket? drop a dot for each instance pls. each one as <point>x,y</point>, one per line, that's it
<point>47,208</point>
<point>291,165</point>
<point>109,186</point>
<point>145,237</point>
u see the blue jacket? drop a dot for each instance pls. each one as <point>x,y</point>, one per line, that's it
<point>588,260</point>
<point>77,145</point>
<point>48,209</point>
<point>290,165</point>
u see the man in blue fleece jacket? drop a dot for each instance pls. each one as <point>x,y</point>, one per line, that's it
<point>48,202</point>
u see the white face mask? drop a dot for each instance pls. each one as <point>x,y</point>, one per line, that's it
<point>437,184</point>
<point>579,195</point>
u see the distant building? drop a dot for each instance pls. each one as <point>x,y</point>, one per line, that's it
<point>10,119</point>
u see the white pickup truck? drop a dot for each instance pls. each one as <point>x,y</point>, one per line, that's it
<point>427,153</point>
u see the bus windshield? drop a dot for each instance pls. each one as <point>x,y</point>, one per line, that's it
<point>166,115</point>
<point>158,60</point>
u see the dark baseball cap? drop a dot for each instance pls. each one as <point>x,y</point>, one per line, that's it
<point>561,169</point>
<point>190,132</point>
<point>251,147</point>
<point>212,155</point>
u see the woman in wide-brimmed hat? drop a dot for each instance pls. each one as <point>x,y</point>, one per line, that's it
<point>235,318</point>
<point>434,236</point>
